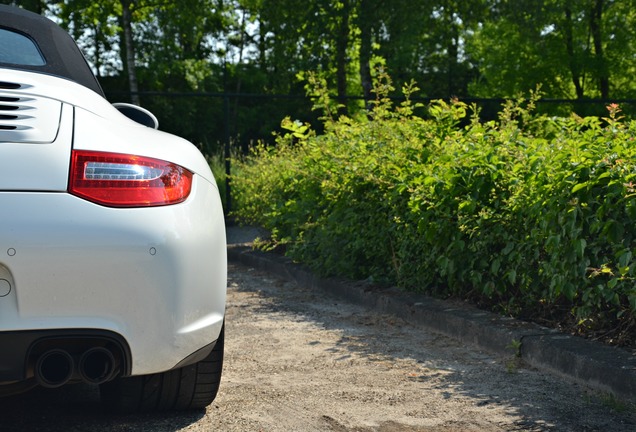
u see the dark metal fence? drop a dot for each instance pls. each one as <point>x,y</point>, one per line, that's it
<point>212,119</point>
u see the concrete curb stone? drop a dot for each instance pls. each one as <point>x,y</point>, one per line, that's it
<point>592,364</point>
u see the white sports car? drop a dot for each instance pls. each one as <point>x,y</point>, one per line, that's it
<point>112,237</point>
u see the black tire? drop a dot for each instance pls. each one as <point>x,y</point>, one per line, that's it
<point>190,387</point>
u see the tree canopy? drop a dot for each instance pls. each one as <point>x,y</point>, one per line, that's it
<point>572,49</point>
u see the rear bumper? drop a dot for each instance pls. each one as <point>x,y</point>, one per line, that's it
<point>154,277</point>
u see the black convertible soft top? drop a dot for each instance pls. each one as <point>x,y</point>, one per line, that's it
<point>61,54</point>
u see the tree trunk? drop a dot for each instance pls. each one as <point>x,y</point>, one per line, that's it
<point>596,15</point>
<point>366,34</point>
<point>98,51</point>
<point>342,43</point>
<point>452,49</point>
<point>575,70</point>
<point>130,51</point>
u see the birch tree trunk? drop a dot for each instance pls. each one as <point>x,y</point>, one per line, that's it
<point>130,51</point>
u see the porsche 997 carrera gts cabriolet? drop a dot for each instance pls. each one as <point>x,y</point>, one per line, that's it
<point>112,236</point>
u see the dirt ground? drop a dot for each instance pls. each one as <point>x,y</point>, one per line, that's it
<point>298,360</point>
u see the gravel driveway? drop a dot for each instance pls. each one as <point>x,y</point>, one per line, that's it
<point>297,360</point>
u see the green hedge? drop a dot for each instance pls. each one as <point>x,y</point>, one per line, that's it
<point>531,215</point>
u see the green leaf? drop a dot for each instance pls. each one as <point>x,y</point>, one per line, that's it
<point>604,175</point>
<point>579,186</point>
<point>512,276</point>
<point>509,247</point>
<point>581,243</point>
<point>494,267</point>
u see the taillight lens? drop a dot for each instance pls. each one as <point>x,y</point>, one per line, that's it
<point>121,180</point>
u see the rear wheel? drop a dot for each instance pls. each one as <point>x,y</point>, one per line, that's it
<point>190,387</point>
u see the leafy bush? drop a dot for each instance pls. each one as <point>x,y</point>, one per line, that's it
<point>531,215</point>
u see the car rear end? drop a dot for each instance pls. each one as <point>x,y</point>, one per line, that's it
<point>112,241</point>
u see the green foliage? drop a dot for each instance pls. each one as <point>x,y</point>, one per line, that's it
<point>574,49</point>
<point>529,214</point>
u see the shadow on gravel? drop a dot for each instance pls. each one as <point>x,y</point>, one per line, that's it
<point>77,408</point>
<point>488,380</point>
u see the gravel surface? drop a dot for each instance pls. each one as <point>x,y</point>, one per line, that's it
<point>297,360</point>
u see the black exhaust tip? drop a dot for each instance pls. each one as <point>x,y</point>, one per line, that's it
<point>54,368</point>
<point>97,365</point>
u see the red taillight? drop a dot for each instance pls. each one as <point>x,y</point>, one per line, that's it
<point>121,180</point>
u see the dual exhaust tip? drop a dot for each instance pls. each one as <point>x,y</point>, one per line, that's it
<point>56,367</point>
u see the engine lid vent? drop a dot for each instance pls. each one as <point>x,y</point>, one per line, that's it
<point>9,85</point>
<point>27,118</point>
